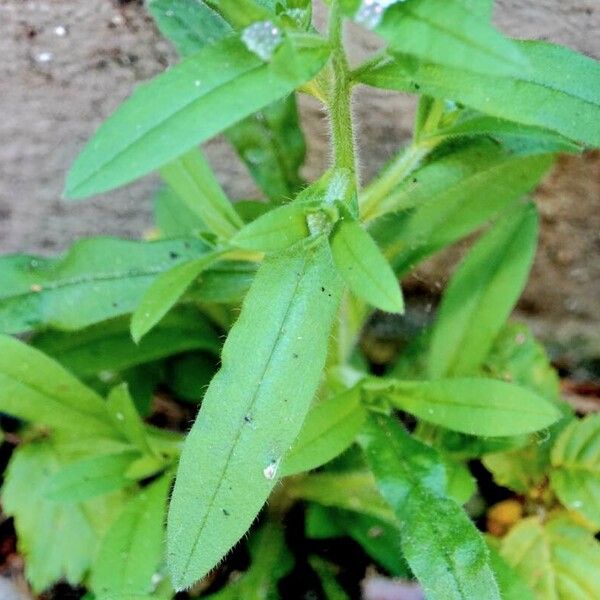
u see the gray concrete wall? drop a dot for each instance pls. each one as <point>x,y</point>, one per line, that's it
<point>66,64</point>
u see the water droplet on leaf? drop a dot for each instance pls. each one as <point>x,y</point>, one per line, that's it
<point>370,12</point>
<point>262,38</point>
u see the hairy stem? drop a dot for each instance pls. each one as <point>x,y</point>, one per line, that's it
<point>340,100</point>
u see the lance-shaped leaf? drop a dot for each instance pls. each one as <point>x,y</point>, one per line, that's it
<point>108,346</point>
<point>450,197</point>
<point>446,32</point>
<point>441,545</point>
<point>90,477</point>
<point>575,476</point>
<point>270,142</point>
<point>560,91</point>
<point>360,493</point>
<point>253,408</point>
<point>35,388</point>
<point>164,293</point>
<point>329,429</point>
<point>126,418</point>
<point>133,547</point>
<point>173,218</point>
<point>482,293</point>
<point>484,407</point>
<point>191,177</point>
<point>558,559</point>
<point>97,279</point>
<point>275,230</point>
<point>203,95</point>
<point>363,266</point>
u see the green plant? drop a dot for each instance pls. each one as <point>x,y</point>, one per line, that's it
<point>89,484</point>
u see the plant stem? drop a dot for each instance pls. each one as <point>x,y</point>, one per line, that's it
<point>340,100</point>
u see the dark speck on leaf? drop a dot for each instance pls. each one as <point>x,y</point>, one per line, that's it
<point>173,255</point>
<point>225,512</point>
<point>295,355</point>
<point>322,289</point>
<point>247,419</point>
<point>415,180</point>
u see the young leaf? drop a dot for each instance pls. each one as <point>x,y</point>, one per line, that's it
<point>35,388</point>
<point>97,279</point>
<point>173,218</point>
<point>329,429</point>
<point>442,547</point>
<point>270,364</point>
<point>364,268</point>
<point>189,104</point>
<point>275,230</point>
<point>272,146</point>
<point>191,177</point>
<point>126,418</point>
<point>558,559</point>
<point>482,294</point>
<point>108,346</point>
<point>445,32</point>
<point>133,547</point>
<point>575,474</point>
<point>58,541</point>
<point>359,495</point>
<point>450,197</point>
<point>90,477</point>
<point>164,293</point>
<point>484,407</point>
<point>560,91</point>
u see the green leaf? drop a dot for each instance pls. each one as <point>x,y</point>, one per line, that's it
<point>482,293</point>
<point>329,429</point>
<point>188,376</point>
<point>511,584</point>
<point>558,559</point>
<point>189,24</point>
<point>108,346</point>
<point>444,32</point>
<point>188,105</point>
<point>90,477</point>
<point>450,197</point>
<point>272,146</point>
<point>484,407</point>
<point>441,545</point>
<point>269,142</point>
<point>97,279</point>
<point>133,547</point>
<point>226,282</point>
<point>275,230</point>
<point>364,268</point>
<point>164,293</point>
<point>35,388</point>
<point>518,357</point>
<point>526,139</point>
<point>575,474</point>
<point>126,418</point>
<point>173,218</point>
<point>191,177</point>
<point>270,364</point>
<point>560,91</point>
<point>326,572</point>
<point>359,495</point>
<point>58,541</point>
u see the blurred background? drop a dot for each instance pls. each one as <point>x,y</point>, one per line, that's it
<point>66,64</point>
